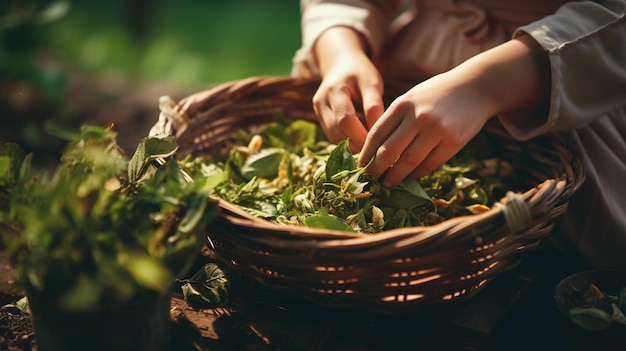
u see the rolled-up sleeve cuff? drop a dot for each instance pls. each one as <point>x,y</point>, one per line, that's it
<point>367,19</point>
<point>584,44</point>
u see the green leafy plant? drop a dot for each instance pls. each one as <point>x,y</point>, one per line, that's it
<point>102,228</point>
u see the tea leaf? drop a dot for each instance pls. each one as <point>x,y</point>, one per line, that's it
<point>207,288</point>
<point>149,149</point>
<point>263,164</point>
<point>327,221</point>
<point>408,194</point>
<point>590,317</point>
<point>147,271</point>
<point>12,158</point>
<point>340,159</point>
<point>302,133</point>
<point>293,136</point>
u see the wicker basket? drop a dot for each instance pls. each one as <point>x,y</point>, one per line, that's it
<point>395,271</point>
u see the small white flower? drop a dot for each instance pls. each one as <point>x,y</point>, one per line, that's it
<point>378,217</point>
<point>353,186</point>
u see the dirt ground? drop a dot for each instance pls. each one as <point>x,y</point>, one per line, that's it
<point>16,332</point>
<point>189,326</point>
<point>515,312</point>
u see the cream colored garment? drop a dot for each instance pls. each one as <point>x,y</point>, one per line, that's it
<point>586,44</point>
<point>443,33</point>
<point>415,42</point>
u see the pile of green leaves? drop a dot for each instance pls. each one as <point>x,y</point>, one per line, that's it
<point>102,228</point>
<point>286,172</point>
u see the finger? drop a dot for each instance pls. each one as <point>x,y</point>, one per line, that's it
<point>379,132</point>
<point>326,117</point>
<point>419,150</point>
<point>373,106</point>
<point>346,120</point>
<point>441,154</point>
<point>385,142</point>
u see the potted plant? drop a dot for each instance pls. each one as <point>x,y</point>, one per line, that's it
<point>98,244</point>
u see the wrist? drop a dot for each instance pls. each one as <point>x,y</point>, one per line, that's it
<point>338,43</point>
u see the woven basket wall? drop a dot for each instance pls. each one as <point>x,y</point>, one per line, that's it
<point>395,271</point>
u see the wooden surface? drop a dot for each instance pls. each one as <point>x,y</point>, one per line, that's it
<point>485,322</point>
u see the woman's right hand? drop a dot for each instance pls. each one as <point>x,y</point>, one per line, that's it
<point>348,76</point>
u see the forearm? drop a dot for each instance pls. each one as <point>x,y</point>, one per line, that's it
<point>370,19</point>
<point>512,76</point>
<point>335,43</point>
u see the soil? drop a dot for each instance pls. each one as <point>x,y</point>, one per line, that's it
<point>16,332</point>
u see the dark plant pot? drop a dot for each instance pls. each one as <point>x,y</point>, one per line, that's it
<point>143,324</point>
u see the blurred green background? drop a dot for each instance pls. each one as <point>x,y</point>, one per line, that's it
<point>71,62</point>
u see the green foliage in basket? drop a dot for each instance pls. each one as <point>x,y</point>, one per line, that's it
<point>288,173</point>
<point>102,228</point>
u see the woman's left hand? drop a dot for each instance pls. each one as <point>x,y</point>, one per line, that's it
<point>423,128</point>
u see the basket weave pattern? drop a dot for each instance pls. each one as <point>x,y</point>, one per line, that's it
<point>394,271</point>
